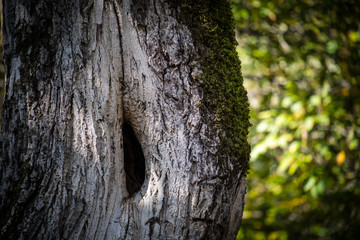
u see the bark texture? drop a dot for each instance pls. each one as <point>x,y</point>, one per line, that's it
<point>86,79</point>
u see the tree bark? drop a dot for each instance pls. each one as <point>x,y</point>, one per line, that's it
<point>86,79</point>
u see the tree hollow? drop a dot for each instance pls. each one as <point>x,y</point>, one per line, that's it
<point>134,160</point>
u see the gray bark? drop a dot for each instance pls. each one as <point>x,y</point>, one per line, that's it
<point>76,72</point>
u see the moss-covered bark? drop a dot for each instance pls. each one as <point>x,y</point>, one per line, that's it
<point>225,103</point>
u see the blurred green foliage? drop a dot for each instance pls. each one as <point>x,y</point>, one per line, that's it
<point>301,66</point>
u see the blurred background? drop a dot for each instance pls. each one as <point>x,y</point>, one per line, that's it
<point>301,67</point>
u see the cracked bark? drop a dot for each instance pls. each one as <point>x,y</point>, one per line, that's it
<point>76,71</point>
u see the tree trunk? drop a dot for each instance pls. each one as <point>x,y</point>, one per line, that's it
<point>117,125</point>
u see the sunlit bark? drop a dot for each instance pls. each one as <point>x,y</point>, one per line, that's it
<point>76,72</point>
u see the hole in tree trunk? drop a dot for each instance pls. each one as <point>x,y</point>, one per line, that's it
<point>134,161</point>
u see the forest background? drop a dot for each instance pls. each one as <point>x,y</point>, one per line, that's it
<point>301,67</point>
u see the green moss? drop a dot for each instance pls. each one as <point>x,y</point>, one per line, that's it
<point>225,104</point>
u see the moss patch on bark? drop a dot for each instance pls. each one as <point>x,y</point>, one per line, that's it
<point>225,104</point>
